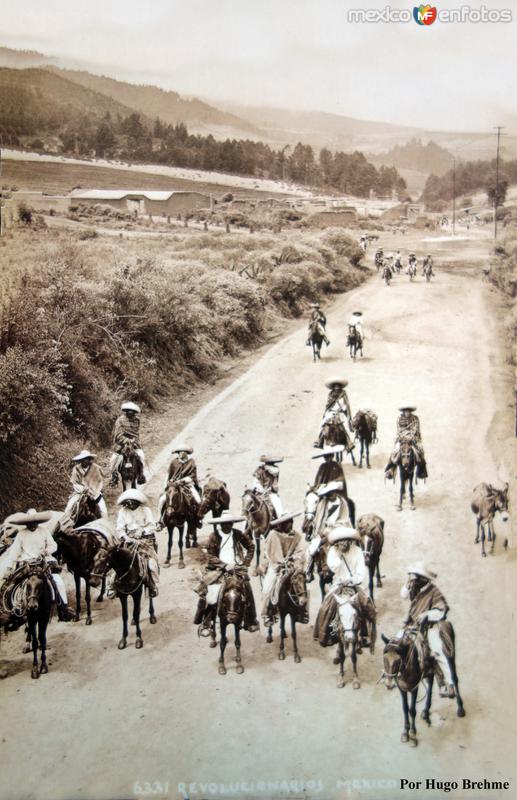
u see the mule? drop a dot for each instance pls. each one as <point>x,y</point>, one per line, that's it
<point>486,502</point>
<point>78,549</point>
<point>334,432</point>
<point>130,568</point>
<point>428,272</point>
<point>258,518</point>
<point>411,271</point>
<point>406,464</point>
<point>364,424</point>
<point>354,342</point>
<point>292,597</point>
<point>370,527</point>
<point>216,498</point>
<point>179,510</point>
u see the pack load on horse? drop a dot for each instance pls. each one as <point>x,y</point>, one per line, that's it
<point>422,650</point>
<point>364,424</point>
<point>137,528</point>
<point>370,528</point>
<point>86,501</point>
<point>284,588</point>
<point>379,258</point>
<point>317,330</point>
<point>30,583</point>
<point>347,615</point>
<point>427,267</point>
<point>486,502</point>
<point>333,508</point>
<point>408,453</point>
<point>180,503</point>
<point>127,460</point>
<point>355,336</point>
<point>224,589</point>
<point>215,498</point>
<point>77,547</point>
<point>337,414</point>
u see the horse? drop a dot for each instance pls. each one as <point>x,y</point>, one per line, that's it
<point>428,272</point>
<point>411,271</point>
<point>354,342</point>
<point>364,424</point>
<point>258,518</point>
<point>378,260</point>
<point>316,338</point>
<point>406,665</point>
<point>128,467</point>
<point>348,632</point>
<point>312,524</point>
<point>406,462</point>
<point>487,501</point>
<point>78,548</point>
<point>216,498</point>
<point>178,510</point>
<point>292,596</point>
<point>130,568</point>
<point>387,275</point>
<point>231,607</point>
<point>371,530</point>
<point>334,432</point>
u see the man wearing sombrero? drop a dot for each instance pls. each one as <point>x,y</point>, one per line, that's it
<point>283,548</point>
<point>337,405</point>
<point>356,322</point>
<point>86,478</point>
<point>266,482</point>
<point>318,319</point>
<point>183,469</point>
<point>230,551</point>
<point>34,541</point>
<point>408,430</point>
<point>127,429</point>
<point>135,522</point>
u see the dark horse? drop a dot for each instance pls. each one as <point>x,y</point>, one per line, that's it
<point>179,511</point>
<point>406,666</point>
<point>316,339</point>
<point>364,424</point>
<point>292,597</point>
<point>354,342</point>
<point>334,432</point>
<point>231,607</point>
<point>487,501</point>
<point>78,548</point>
<point>216,498</point>
<point>130,568</point>
<point>129,468</point>
<point>406,462</point>
<point>371,530</point>
<point>258,518</point>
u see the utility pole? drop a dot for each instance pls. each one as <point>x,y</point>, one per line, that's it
<point>454,197</point>
<point>498,128</point>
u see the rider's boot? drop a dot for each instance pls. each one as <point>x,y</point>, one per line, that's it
<point>200,611</point>
<point>64,613</point>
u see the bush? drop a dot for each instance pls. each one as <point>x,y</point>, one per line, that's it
<point>24,214</point>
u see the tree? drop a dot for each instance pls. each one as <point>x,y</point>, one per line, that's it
<point>104,140</point>
<point>496,192</point>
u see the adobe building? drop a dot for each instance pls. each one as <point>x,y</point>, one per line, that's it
<point>149,202</point>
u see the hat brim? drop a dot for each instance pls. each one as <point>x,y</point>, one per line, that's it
<point>330,451</point>
<point>342,534</point>
<point>130,407</point>
<point>188,450</point>
<point>83,456</point>
<point>270,460</point>
<point>25,519</point>
<point>407,408</point>
<point>233,519</point>
<point>132,494</point>
<point>336,382</point>
<point>284,518</point>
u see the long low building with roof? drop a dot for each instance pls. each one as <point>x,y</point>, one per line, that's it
<point>155,203</point>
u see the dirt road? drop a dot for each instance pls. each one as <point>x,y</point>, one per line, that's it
<point>102,720</point>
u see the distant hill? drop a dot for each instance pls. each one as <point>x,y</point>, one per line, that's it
<point>21,59</point>
<point>414,155</point>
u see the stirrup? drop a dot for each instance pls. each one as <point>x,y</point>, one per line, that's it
<point>203,631</point>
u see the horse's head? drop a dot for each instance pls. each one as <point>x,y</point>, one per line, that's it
<point>232,602</point>
<point>367,543</point>
<point>211,494</point>
<point>87,509</point>
<point>501,502</point>
<point>349,622</point>
<point>407,455</point>
<point>34,583</point>
<point>249,502</point>
<point>129,446</point>
<point>299,588</point>
<point>393,658</point>
<point>101,564</point>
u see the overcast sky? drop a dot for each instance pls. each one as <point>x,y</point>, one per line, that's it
<point>282,53</point>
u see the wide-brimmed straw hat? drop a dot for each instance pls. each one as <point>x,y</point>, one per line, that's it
<point>226,516</point>
<point>132,494</point>
<point>26,517</point>
<point>357,313</point>
<point>130,406</point>
<point>267,459</point>
<point>284,518</point>
<point>330,451</point>
<point>334,381</point>
<point>341,532</point>
<point>407,408</point>
<point>183,449</point>
<point>83,455</point>
<point>419,568</point>
<point>333,486</point>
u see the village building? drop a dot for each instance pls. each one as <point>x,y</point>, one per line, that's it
<point>149,202</point>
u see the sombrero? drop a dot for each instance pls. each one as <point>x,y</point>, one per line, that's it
<point>226,516</point>
<point>328,451</point>
<point>284,518</point>
<point>270,459</point>
<point>419,568</point>
<point>25,517</point>
<point>341,532</point>
<point>333,486</point>
<point>132,494</point>
<point>407,408</point>
<point>82,455</point>
<point>339,381</point>
<point>129,406</point>
<point>183,449</point>
<point>357,313</point>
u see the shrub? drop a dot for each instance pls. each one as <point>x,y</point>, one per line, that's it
<point>24,214</point>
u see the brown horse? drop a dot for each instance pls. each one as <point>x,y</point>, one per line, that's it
<point>179,509</point>
<point>231,608</point>
<point>292,597</point>
<point>78,548</point>
<point>406,462</point>
<point>487,501</point>
<point>216,498</point>
<point>333,432</point>
<point>371,530</point>
<point>354,342</point>
<point>316,338</point>
<point>258,518</point>
<point>129,467</point>
<point>364,424</point>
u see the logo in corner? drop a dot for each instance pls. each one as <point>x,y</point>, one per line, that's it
<point>425,15</point>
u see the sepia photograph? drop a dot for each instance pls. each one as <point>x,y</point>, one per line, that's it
<point>258,400</point>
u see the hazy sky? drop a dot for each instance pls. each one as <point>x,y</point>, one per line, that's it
<point>302,54</point>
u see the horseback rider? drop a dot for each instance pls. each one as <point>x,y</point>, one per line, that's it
<point>183,469</point>
<point>135,523</point>
<point>283,551</point>
<point>330,470</point>
<point>355,325</point>
<point>230,552</point>
<point>408,430</point>
<point>86,478</point>
<point>338,406</point>
<point>127,430</point>
<point>266,482</point>
<point>345,559</point>
<point>335,512</point>
<point>412,260</point>
<point>317,321</point>
<point>427,262</point>
<point>428,607</point>
<point>34,541</point>
<point>398,261</point>
<point>379,256</point>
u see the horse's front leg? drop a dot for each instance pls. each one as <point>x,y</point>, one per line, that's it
<point>34,643</point>
<point>181,563</point>
<point>103,590</point>
<point>42,636</point>
<point>361,455</point>
<point>281,652</point>
<point>222,644</point>
<point>152,615</point>
<point>402,491</point>
<point>137,603</point>
<point>341,660</point>
<point>170,538</point>
<point>88,602</point>
<point>455,683</point>
<point>123,603</point>
<point>411,492</point>
<point>483,553</point>
<point>413,741</point>
<point>367,454</point>
<point>77,580</point>
<point>404,736</point>
<point>379,581</point>
<point>239,668</point>
<point>356,683</point>
<point>371,570</point>
<point>297,657</point>
<point>426,713</point>
<point>478,526</point>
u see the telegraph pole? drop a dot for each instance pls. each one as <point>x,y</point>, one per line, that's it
<point>454,197</point>
<point>498,128</point>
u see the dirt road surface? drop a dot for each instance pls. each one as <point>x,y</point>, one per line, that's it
<point>103,722</point>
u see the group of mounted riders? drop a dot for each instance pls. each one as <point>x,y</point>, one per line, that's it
<point>390,265</point>
<point>317,333</point>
